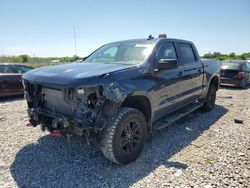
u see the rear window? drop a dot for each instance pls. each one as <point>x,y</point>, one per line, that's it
<point>230,65</point>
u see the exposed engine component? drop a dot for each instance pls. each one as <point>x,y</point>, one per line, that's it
<point>68,110</point>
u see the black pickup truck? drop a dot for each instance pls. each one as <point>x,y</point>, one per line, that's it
<point>122,92</point>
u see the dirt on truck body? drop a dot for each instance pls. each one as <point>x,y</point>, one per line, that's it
<point>121,92</point>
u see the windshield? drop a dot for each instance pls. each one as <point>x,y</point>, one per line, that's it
<point>130,53</point>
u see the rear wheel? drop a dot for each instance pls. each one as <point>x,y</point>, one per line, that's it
<point>210,98</point>
<point>124,140</point>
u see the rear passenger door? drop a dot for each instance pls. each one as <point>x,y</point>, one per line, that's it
<point>192,75</point>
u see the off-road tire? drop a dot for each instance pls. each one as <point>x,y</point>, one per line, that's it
<point>113,136</point>
<point>210,98</point>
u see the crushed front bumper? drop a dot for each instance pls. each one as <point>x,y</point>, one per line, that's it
<point>67,110</point>
<point>52,121</point>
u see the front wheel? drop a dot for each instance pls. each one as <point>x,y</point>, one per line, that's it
<point>124,140</point>
<point>210,98</point>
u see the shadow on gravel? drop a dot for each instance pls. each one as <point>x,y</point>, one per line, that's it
<point>52,162</point>
<point>11,99</point>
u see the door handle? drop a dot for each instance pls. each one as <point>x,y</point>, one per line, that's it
<point>180,74</point>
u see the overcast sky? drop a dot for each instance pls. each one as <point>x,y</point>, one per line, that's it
<point>45,27</point>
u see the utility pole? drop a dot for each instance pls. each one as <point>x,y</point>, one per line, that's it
<point>75,40</point>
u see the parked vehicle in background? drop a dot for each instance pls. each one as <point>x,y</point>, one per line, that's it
<point>235,73</point>
<point>121,92</point>
<point>11,78</point>
<point>248,60</point>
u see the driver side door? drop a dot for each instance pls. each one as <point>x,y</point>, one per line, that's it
<point>168,91</point>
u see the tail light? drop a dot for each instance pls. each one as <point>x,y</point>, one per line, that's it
<point>239,75</point>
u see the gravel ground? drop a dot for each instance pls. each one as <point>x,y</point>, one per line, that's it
<point>201,150</point>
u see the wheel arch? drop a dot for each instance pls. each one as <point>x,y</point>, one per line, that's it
<point>141,103</point>
<point>215,80</point>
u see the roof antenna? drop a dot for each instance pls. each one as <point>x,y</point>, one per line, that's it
<point>75,40</point>
<point>150,37</point>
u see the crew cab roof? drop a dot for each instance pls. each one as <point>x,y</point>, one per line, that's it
<point>154,40</point>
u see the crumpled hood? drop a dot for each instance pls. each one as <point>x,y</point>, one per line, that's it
<point>73,74</point>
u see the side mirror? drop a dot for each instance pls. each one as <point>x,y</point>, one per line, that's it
<point>167,64</point>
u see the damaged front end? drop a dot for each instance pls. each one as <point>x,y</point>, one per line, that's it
<point>78,111</point>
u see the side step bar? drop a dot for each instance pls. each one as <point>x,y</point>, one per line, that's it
<point>172,117</point>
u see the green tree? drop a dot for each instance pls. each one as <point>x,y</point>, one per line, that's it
<point>208,56</point>
<point>221,58</point>
<point>17,59</point>
<point>76,58</point>
<point>216,54</point>
<point>5,59</point>
<point>232,54</point>
<point>25,58</point>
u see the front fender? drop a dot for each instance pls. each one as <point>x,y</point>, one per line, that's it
<point>118,92</point>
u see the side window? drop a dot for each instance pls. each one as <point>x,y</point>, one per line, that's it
<point>22,69</point>
<point>186,53</point>
<point>248,66</point>
<point>244,67</point>
<point>5,69</point>
<point>167,51</point>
